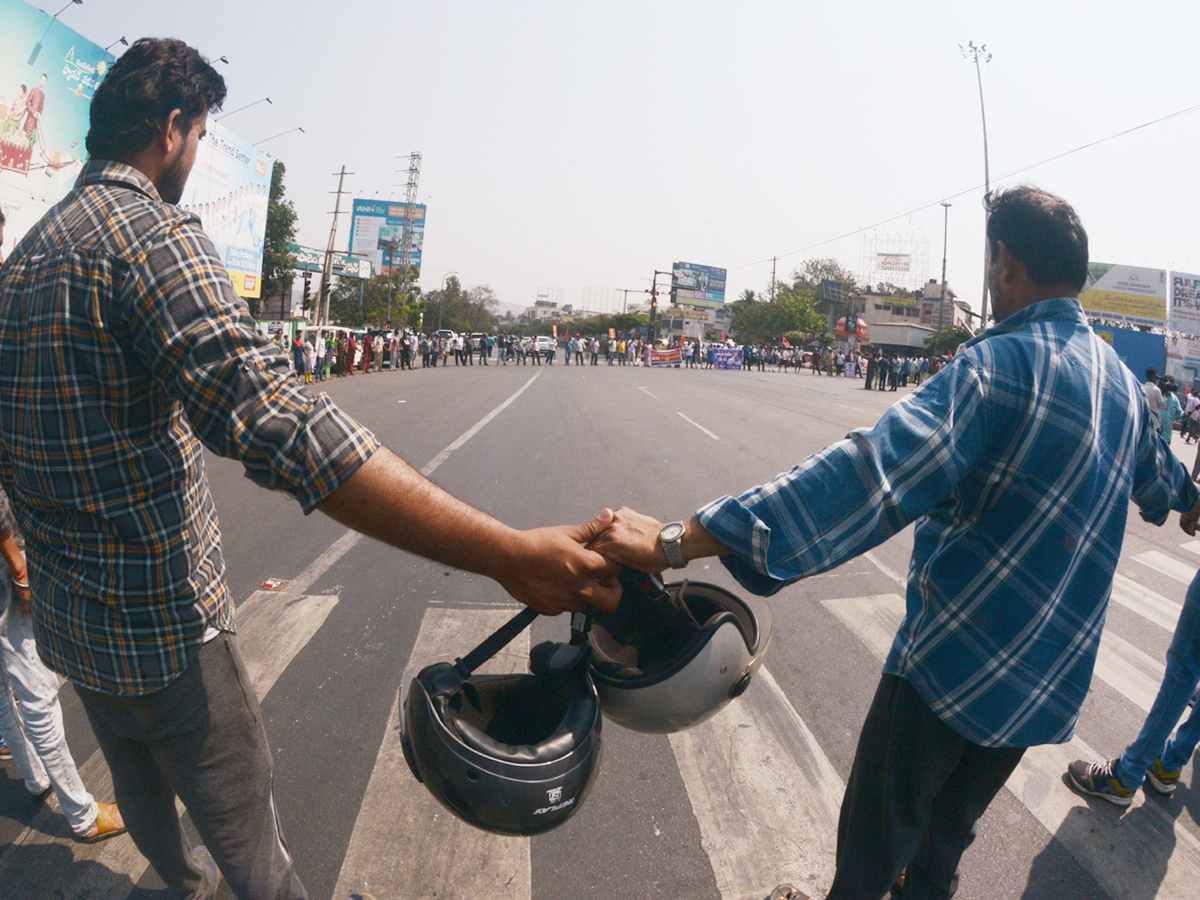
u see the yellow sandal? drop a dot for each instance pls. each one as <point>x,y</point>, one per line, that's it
<point>108,824</point>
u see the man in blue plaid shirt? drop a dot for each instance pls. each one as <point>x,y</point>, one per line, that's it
<point>123,349</point>
<point>1017,463</point>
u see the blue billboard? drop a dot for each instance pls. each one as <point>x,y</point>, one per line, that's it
<point>698,285</point>
<point>1137,349</point>
<point>377,229</point>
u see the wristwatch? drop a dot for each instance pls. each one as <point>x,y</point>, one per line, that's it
<point>671,538</point>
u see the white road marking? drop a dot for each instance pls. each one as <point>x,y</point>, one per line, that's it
<point>1167,565</point>
<point>764,794</point>
<point>1146,603</point>
<point>273,626</point>
<point>647,393</point>
<point>399,815</point>
<point>701,427</point>
<point>1191,547</point>
<point>1144,853</point>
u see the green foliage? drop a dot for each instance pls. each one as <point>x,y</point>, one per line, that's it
<point>948,340</point>
<point>278,264</point>
<point>792,311</point>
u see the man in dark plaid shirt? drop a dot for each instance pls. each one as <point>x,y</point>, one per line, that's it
<point>123,349</point>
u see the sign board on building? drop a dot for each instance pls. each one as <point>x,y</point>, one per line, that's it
<point>893,262</point>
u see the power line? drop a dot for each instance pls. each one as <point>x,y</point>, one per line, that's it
<point>971,189</point>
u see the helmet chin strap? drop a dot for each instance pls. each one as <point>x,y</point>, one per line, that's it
<point>497,641</point>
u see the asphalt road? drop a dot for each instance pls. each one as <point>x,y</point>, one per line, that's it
<point>723,813</point>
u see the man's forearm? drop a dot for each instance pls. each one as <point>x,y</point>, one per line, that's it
<point>389,500</point>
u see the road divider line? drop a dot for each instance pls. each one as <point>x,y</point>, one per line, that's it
<point>1167,565</point>
<point>698,425</point>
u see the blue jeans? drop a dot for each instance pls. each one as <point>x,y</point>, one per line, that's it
<point>1182,676</point>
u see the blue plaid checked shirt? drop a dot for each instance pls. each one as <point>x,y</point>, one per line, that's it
<point>123,348</point>
<point>1017,462</point>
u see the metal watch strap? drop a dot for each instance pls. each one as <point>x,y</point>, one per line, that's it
<point>674,552</point>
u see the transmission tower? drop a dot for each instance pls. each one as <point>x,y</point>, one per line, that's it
<point>410,211</point>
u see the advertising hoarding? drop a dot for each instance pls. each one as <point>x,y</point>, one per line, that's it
<point>48,75</point>
<point>228,189</point>
<point>377,227</point>
<point>1183,358</point>
<point>698,285</point>
<point>343,265</point>
<point>1185,303</point>
<point>1129,294</point>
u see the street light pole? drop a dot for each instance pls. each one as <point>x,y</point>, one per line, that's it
<point>974,53</point>
<point>945,242</point>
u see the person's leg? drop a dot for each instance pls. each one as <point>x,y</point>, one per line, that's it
<point>144,796</point>
<point>1182,675</point>
<point>932,874</point>
<point>206,737</point>
<point>904,759</point>
<point>36,690</point>
<point>24,754</point>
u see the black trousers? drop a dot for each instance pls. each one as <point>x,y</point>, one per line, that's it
<point>915,791</point>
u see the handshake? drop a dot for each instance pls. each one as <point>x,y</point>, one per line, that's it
<point>565,568</point>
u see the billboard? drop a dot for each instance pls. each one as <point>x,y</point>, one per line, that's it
<point>228,189</point>
<point>698,285</point>
<point>343,265</point>
<point>1183,358</point>
<point>48,75</point>
<point>1185,303</point>
<point>1127,294</point>
<point>893,262</point>
<point>376,230</point>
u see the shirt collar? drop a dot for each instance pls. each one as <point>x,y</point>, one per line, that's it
<point>111,172</point>
<point>1060,309</point>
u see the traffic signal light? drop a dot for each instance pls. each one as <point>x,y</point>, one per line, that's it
<point>653,299</point>
<point>307,289</point>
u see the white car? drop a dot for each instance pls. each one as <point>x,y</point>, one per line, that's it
<point>543,343</point>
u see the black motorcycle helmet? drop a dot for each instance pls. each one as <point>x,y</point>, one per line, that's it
<point>511,754</point>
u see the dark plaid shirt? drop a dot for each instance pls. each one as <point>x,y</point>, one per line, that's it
<point>123,348</point>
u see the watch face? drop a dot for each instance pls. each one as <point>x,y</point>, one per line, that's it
<point>671,532</point>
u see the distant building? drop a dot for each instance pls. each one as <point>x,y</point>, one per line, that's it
<point>906,321</point>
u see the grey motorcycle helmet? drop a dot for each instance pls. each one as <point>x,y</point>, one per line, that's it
<point>674,655</point>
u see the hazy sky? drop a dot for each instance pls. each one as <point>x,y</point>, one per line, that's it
<point>579,146</point>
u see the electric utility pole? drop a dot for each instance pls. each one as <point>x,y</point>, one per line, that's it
<point>326,269</point>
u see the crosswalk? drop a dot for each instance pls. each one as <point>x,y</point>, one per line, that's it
<point>763,792</point>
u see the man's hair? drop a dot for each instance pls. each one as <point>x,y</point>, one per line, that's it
<point>1042,231</point>
<point>136,97</point>
<point>1151,373</point>
<point>1,218</point>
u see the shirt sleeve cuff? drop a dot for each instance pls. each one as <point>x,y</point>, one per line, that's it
<point>748,538</point>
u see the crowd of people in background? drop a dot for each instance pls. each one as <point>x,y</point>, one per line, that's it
<point>320,354</point>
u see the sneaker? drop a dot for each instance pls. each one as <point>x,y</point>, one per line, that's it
<point>1099,780</point>
<point>5,753</point>
<point>1163,781</point>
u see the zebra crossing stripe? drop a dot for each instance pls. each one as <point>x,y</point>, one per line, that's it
<point>272,628</point>
<point>1167,565</point>
<point>764,794</point>
<point>404,843</point>
<point>1145,853</point>
<point>1146,603</point>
